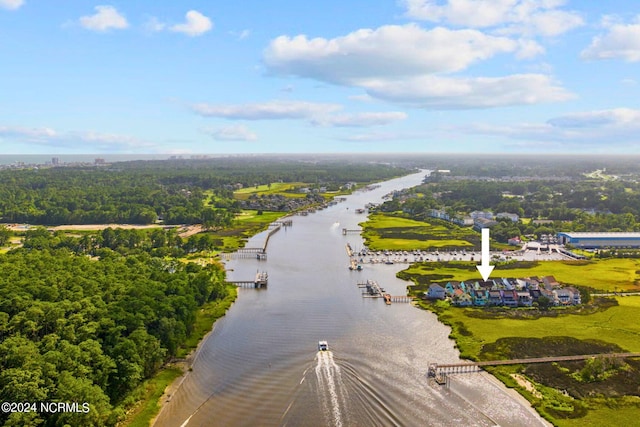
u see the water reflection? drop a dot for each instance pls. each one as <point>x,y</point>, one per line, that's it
<point>261,365</point>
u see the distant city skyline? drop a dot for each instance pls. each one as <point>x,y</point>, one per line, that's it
<point>441,76</point>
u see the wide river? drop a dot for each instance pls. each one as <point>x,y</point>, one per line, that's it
<point>261,366</point>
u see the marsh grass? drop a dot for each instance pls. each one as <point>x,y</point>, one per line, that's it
<point>567,393</point>
<point>393,232</point>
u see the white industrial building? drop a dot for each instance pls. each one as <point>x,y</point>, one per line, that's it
<point>600,240</point>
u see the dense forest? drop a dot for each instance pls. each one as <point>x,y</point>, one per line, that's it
<point>142,192</point>
<point>86,317</point>
<point>82,329</point>
<point>576,204</point>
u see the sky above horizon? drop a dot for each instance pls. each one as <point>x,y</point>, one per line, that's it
<point>218,77</point>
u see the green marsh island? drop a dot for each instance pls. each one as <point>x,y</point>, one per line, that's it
<point>586,299</point>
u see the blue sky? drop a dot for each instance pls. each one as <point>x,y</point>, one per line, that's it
<point>189,77</point>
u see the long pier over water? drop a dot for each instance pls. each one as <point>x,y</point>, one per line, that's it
<point>439,371</point>
<point>260,252</point>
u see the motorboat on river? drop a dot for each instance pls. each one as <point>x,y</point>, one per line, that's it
<point>323,345</point>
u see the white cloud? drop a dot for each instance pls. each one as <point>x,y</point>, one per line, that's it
<point>471,13</point>
<point>105,18</point>
<point>196,24</point>
<point>618,118</point>
<point>602,128</point>
<point>387,51</point>
<point>29,134</point>
<point>272,110</point>
<point>154,25</point>
<point>85,141</point>
<point>621,41</point>
<point>232,133</point>
<point>11,4</point>
<point>528,17</point>
<point>433,92</point>
<point>360,119</point>
<point>409,65</point>
<point>529,49</point>
<point>384,136</point>
<point>241,35</point>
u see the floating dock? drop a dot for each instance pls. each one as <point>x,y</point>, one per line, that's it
<point>371,289</point>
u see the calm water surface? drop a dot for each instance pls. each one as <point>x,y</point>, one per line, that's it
<point>260,365</point>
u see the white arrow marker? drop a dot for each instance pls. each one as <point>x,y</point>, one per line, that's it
<point>484,268</point>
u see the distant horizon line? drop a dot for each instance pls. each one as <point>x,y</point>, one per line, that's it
<point>333,153</point>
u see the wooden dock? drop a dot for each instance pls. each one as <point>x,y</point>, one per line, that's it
<point>261,281</point>
<point>400,298</point>
<point>260,253</point>
<point>440,371</point>
<point>345,231</point>
<point>371,289</point>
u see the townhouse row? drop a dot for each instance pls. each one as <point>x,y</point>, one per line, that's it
<point>509,292</point>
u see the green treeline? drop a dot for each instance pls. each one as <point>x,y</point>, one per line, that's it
<point>158,242</point>
<point>576,205</point>
<point>171,191</point>
<point>86,317</point>
<point>81,329</point>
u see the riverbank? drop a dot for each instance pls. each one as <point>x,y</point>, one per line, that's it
<point>564,393</point>
<point>154,393</point>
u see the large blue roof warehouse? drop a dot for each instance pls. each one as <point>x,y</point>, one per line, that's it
<point>599,240</point>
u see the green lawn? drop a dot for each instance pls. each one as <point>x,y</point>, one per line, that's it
<point>386,231</point>
<point>274,188</point>
<point>478,332</point>
<point>608,275</point>
<point>606,413</point>
<point>617,325</point>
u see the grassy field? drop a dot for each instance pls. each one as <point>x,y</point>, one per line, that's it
<point>617,325</point>
<point>383,231</point>
<point>607,325</point>
<point>275,188</point>
<point>247,224</point>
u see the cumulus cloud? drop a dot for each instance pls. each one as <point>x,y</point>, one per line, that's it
<point>84,140</point>
<point>11,4</point>
<point>390,50</point>
<point>360,119</point>
<point>527,17</point>
<point>232,133</point>
<point>620,41</point>
<point>271,110</point>
<point>105,18</point>
<point>196,24</point>
<point>409,65</point>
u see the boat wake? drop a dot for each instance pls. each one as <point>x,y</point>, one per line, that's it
<point>331,389</point>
